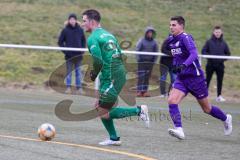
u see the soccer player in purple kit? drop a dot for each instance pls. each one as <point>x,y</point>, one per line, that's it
<point>190,79</point>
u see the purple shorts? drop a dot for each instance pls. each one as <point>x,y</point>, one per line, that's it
<point>196,85</point>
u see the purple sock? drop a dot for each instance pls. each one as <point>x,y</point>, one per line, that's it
<point>218,113</point>
<point>175,115</point>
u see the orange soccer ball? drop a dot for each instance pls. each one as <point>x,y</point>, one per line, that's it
<point>46,132</point>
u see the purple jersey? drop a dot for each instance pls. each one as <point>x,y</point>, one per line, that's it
<point>184,51</point>
<point>191,79</point>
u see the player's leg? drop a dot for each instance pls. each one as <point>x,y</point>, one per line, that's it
<point>217,113</point>
<point>108,113</point>
<point>103,112</point>
<point>200,91</point>
<point>119,77</point>
<point>107,117</point>
<point>175,97</point>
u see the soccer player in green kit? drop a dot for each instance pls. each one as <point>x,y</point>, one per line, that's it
<point>108,64</point>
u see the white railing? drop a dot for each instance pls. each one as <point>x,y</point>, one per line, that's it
<point>85,49</point>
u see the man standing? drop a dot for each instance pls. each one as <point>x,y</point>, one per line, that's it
<point>73,36</point>
<point>216,46</point>
<point>146,62</point>
<point>108,63</point>
<point>166,66</point>
<point>190,79</point>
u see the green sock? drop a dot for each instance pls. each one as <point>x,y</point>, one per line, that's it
<point>109,125</point>
<point>121,112</point>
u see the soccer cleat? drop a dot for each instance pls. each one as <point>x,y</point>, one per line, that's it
<point>109,142</point>
<point>144,115</point>
<point>177,133</point>
<point>228,125</point>
<point>220,99</point>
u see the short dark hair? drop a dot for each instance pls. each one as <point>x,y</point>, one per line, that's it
<point>217,27</point>
<point>72,15</point>
<point>92,14</point>
<point>179,19</point>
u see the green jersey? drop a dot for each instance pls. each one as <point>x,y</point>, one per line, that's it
<point>105,51</point>
<point>107,60</point>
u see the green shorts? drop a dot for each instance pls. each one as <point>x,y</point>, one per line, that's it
<point>110,89</point>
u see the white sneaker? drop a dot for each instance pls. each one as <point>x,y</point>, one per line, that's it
<point>228,125</point>
<point>68,91</point>
<point>220,99</point>
<point>162,96</point>
<point>177,133</point>
<point>144,115</point>
<point>79,91</point>
<point>109,142</point>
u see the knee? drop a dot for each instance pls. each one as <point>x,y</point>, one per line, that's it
<point>172,100</point>
<point>102,112</point>
<point>206,109</point>
<point>105,116</point>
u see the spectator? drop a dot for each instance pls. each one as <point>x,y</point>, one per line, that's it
<point>146,62</point>
<point>165,67</point>
<point>73,36</point>
<point>216,46</point>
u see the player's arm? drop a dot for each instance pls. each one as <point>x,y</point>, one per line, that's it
<point>191,47</point>
<point>95,51</point>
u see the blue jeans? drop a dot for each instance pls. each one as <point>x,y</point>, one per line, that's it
<point>78,76</point>
<point>144,74</point>
<point>164,70</point>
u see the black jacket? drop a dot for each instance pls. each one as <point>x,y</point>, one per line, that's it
<point>215,46</point>
<point>72,37</point>
<point>166,60</point>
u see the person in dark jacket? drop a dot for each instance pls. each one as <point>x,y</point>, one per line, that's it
<point>73,36</point>
<point>166,65</point>
<point>216,46</point>
<point>146,62</point>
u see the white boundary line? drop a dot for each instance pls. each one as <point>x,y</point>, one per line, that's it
<point>124,51</point>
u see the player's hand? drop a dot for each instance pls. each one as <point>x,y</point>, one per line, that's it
<point>179,68</point>
<point>93,75</point>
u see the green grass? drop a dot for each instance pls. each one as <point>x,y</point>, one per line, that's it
<point>38,22</point>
